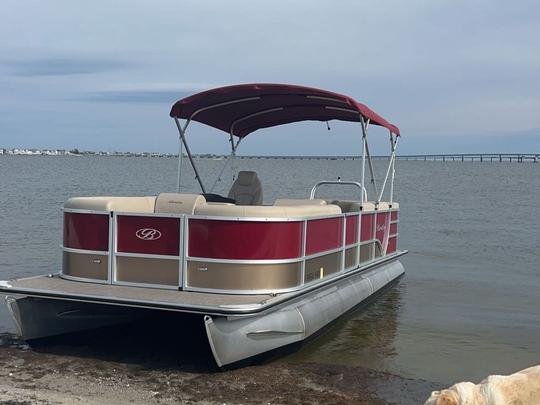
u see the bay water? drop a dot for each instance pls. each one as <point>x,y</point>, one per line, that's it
<point>467,307</point>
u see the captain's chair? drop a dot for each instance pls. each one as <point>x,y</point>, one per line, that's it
<point>247,189</point>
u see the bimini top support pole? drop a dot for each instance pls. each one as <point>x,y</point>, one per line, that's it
<point>370,165</point>
<point>232,156</point>
<point>365,152</point>
<point>183,138</point>
<point>180,153</point>
<point>390,166</point>
<point>393,169</point>
<point>363,175</point>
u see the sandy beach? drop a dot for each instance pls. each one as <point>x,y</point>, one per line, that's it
<point>63,374</point>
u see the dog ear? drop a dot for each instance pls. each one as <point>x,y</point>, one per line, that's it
<point>447,397</point>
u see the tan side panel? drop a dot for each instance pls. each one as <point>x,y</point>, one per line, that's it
<point>329,263</point>
<point>378,250</point>
<point>85,265</point>
<point>350,257</point>
<point>366,252</point>
<point>225,276</point>
<point>147,270</point>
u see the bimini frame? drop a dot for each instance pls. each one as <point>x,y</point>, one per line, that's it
<point>366,156</point>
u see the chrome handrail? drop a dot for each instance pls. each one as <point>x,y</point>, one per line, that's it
<point>363,191</point>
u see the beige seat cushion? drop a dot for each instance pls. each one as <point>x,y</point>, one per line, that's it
<point>175,203</point>
<point>368,206</point>
<point>247,189</point>
<point>354,206</point>
<point>292,202</point>
<point>383,206</point>
<point>266,211</point>
<point>119,204</point>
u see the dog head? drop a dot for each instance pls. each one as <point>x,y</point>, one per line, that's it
<point>444,397</point>
<point>465,393</point>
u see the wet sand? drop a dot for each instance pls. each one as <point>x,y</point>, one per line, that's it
<point>83,373</point>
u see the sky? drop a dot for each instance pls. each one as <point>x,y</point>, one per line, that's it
<point>455,76</point>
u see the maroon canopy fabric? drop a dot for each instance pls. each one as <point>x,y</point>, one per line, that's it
<point>244,108</point>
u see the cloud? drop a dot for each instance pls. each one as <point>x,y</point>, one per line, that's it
<point>433,67</point>
<point>64,66</point>
<point>133,96</point>
<point>148,93</point>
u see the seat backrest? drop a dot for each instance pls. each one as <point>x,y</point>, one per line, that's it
<point>290,202</point>
<point>175,203</point>
<point>247,189</point>
<point>354,206</point>
<point>119,204</point>
<point>266,211</point>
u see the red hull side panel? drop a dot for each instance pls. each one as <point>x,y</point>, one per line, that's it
<point>324,234</point>
<point>244,240</point>
<point>367,227</point>
<point>86,231</point>
<point>383,228</point>
<point>132,237</point>
<point>351,231</point>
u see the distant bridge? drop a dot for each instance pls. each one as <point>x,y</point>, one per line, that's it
<point>458,157</point>
<point>478,157</point>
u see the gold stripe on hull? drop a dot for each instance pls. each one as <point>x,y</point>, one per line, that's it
<point>319,267</point>
<point>147,270</point>
<point>366,252</point>
<point>84,265</point>
<point>378,250</point>
<point>225,276</point>
<point>350,257</point>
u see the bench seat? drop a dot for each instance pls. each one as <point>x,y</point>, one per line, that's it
<point>106,203</point>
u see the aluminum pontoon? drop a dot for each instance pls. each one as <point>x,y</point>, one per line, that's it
<point>260,276</point>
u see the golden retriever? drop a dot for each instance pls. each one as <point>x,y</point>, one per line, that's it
<point>521,388</point>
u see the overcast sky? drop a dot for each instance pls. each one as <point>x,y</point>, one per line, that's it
<point>455,76</point>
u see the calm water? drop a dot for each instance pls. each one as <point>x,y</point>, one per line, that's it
<point>467,307</point>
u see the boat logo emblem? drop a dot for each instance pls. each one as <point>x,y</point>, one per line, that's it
<point>148,234</point>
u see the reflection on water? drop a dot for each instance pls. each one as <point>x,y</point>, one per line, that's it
<point>364,337</point>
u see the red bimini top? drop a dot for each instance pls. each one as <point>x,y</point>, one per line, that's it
<point>245,108</point>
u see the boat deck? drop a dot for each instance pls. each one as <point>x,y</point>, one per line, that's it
<point>175,300</point>
<point>55,287</point>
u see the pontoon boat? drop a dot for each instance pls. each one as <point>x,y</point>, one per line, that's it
<point>260,276</point>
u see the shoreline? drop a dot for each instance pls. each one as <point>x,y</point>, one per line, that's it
<point>438,157</point>
<point>64,374</point>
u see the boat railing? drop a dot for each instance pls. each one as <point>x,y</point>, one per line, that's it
<point>363,191</point>
<point>223,254</point>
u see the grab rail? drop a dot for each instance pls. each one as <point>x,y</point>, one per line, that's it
<point>363,191</point>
